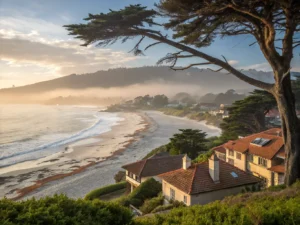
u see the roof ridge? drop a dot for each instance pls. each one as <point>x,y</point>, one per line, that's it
<point>162,174</point>
<point>163,157</point>
<point>191,187</point>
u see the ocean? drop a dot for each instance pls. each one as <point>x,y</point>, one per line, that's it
<point>30,132</point>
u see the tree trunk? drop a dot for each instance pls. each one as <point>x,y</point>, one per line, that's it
<point>290,130</point>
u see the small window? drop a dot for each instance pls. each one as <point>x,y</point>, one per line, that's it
<point>250,158</point>
<point>239,156</point>
<point>172,193</point>
<point>262,162</point>
<point>231,153</point>
<point>185,199</point>
<point>231,161</point>
<point>234,174</point>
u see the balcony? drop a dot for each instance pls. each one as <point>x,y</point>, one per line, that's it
<point>133,181</point>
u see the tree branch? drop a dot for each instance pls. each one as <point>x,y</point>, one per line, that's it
<point>213,60</point>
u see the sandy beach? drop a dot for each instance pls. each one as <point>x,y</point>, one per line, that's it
<point>93,162</point>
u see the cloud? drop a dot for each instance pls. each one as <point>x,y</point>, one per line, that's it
<point>233,62</point>
<point>54,56</point>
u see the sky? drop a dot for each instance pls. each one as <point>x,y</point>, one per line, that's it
<point>35,47</point>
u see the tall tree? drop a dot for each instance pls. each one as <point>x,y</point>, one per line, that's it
<point>247,116</point>
<point>190,142</point>
<point>274,24</point>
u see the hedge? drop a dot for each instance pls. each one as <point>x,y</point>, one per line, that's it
<point>151,204</point>
<point>264,208</point>
<point>63,211</point>
<point>97,193</point>
<point>148,189</point>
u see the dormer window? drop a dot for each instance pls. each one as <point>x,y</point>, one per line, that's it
<point>260,141</point>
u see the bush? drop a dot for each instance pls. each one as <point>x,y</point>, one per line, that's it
<point>148,189</point>
<point>120,176</point>
<point>60,209</point>
<point>97,193</point>
<point>151,204</point>
<point>203,157</point>
<point>161,208</point>
<point>277,187</point>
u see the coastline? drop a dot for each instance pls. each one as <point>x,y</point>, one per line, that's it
<point>152,130</point>
<point>20,179</point>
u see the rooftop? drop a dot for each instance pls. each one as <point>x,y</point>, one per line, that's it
<point>278,169</point>
<point>265,144</point>
<point>220,149</point>
<point>155,165</point>
<point>196,179</point>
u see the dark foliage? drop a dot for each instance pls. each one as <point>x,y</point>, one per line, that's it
<point>63,211</point>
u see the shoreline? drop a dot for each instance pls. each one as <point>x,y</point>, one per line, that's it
<point>140,124</point>
<point>152,130</point>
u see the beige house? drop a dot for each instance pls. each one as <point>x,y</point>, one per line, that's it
<point>205,182</point>
<point>140,171</point>
<point>260,154</point>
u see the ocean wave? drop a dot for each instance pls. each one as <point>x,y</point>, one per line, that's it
<point>105,122</point>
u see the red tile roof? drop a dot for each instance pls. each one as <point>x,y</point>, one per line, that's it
<point>154,166</point>
<point>196,179</point>
<point>220,149</point>
<point>278,169</point>
<point>268,151</point>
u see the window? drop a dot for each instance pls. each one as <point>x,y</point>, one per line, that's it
<point>138,179</point>
<point>231,153</point>
<point>172,193</point>
<point>262,162</point>
<point>185,199</point>
<point>250,157</point>
<point>239,156</point>
<point>231,161</point>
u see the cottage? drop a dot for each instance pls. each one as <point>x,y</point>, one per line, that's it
<point>205,182</point>
<point>260,154</point>
<point>140,171</point>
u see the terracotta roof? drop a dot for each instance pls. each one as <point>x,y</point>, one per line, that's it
<point>154,166</point>
<point>268,151</point>
<point>220,149</point>
<point>196,179</point>
<point>278,169</point>
<point>281,153</point>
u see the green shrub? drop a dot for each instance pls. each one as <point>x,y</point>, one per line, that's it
<point>148,189</point>
<point>60,209</point>
<point>151,204</point>
<point>162,208</point>
<point>277,187</point>
<point>97,193</point>
<point>203,157</point>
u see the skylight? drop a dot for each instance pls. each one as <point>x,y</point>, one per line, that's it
<point>260,141</point>
<point>234,174</point>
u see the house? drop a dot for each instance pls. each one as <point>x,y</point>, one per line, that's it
<point>140,171</point>
<point>205,182</point>
<point>220,152</point>
<point>261,154</point>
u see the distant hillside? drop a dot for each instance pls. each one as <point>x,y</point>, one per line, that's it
<point>122,77</point>
<point>123,82</point>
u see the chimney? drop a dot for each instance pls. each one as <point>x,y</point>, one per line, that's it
<point>214,170</point>
<point>186,162</point>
